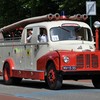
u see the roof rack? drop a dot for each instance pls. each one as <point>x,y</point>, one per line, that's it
<point>47,17</point>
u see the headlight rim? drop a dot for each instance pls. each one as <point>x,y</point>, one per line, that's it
<point>66,59</point>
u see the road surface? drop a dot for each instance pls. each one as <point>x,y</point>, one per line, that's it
<point>35,90</point>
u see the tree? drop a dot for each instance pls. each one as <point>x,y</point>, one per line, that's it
<point>15,10</point>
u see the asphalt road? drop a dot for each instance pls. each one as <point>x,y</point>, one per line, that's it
<point>33,90</point>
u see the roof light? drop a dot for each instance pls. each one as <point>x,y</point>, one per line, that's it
<point>63,15</point>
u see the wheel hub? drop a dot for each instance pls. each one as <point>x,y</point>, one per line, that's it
<point>51,75</point>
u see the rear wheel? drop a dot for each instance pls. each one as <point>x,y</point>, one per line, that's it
<point>96,82</point>
<point>7,76</point>
<point>53,79</point>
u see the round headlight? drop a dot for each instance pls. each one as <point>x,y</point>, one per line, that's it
<point>66,59</point>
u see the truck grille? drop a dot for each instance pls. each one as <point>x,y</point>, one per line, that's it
<point>94,61</point>
<point>80,61</point>
<point>87,61</point>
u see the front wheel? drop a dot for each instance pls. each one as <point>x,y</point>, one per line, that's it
<point>53,78</point>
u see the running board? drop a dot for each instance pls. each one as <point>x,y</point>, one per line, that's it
<point>35,75</point>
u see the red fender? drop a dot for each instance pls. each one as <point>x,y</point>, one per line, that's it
<point>50,56</point>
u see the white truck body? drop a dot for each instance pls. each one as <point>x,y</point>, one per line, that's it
<point>26,54</point>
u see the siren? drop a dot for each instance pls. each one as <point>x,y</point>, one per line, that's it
<point>63,15</point>
<point>84,16</point>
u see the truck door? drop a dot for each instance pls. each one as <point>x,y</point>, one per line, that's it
<point>42,47</point>
<point>29,60</point>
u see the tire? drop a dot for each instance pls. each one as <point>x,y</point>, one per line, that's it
<point>53,79</point>
<point>8,80</point>
<point>6,74</point>
<point>96,82</point>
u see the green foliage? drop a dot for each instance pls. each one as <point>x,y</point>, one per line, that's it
<point>15,10</point>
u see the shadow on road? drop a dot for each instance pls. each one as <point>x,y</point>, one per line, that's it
<point>40,84</point>
<point>76,86</point>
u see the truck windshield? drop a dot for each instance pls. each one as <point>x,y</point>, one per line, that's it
<point>70,33</point>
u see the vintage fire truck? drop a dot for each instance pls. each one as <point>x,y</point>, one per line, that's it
<point>69,52</point>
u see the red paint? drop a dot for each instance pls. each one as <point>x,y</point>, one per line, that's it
<point>6,74</point>
<point>82,61</point>
<point>97,38</point>
<point>28,74</point>
<point>51,75</point>
<point>51,56</point>
<point>11,64</point>
<point>9,97</point>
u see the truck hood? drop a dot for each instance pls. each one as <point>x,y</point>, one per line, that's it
<point>73,45</point>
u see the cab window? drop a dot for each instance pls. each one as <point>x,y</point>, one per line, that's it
<point>42,37</point>
<point>29,35</point>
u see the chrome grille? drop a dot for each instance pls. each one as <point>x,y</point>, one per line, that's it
<point>94,61</point>
<point>80,61</point>
<point>87,61</point>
